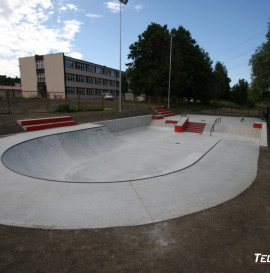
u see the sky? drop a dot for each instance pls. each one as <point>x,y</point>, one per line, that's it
<point>229,30</point>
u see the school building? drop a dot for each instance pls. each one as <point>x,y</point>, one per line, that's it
<point>59,76</point>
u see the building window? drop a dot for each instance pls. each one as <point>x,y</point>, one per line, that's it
<point>41,77</point>
<point>98,81</point>
<point>90,91</point>
<point>112,73</point>
<point>106,82</point>
<point>40,64</point>
<point>80,91</point>
<point>117,74</point>
<point>117,83</point>
<point>80,78</point>
<point>71,90</point>
<point>90,68</point>
<point>112,83</point>
<point>70,77</point>
<point>98,70</point>
<point>69,63</point>
<point>105,71</point>
<point>80,66</point>
<point>98,91</point>
<point>90,80</point>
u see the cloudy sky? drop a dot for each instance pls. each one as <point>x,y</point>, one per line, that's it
<point>229,30</point>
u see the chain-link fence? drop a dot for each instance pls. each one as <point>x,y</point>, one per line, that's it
<point>55,101</point>
<point>268,123</point>
<point>233,112</point>
<point>13,102</point>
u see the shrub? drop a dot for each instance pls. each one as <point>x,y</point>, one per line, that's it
<point>65,108</point>
<point>91,108</point>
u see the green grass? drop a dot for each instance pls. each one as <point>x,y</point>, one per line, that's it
<point>91,108</point>
<point>66,108</point>
<point>226,104</point>
<point>196,107</point>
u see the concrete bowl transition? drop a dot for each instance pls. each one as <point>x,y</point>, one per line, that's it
<point>123,172</point>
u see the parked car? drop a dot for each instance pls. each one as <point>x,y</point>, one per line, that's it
<point>141,98</point>
<point>108,97</point>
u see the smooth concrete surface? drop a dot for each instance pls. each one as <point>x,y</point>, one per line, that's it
<point>220,167</point>
<point>96,155</point>
<point>117,125</point>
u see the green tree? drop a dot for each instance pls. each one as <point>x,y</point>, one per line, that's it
<point>260,62</point>
<point>221,84</point>
<point>191,67</point>
<point>148,73</point>
<point>191,73</point>
<point>239,92</point>
<point>124,83</point>
<point>4,80</point>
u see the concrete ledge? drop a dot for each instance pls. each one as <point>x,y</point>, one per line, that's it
<point>257,125</point>
<point>181,125</point>
<point>157,117</point>
<point>263,139</point>
<point>44,120</point>
<point>118,125</point>
<point>49,125</point>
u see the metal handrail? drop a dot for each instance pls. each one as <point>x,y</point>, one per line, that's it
<point>218,120</point>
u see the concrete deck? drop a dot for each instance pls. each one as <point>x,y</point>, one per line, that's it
<point>163,174</point>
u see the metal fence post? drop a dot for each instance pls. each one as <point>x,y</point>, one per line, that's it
<point>8,101</point>
<point>79,101</point>
<point>48,101</point>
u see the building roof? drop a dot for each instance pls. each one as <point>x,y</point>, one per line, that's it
<point>7,87</point>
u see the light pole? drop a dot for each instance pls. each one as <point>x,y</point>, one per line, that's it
<point>120,70</point>
<point>170,68</point>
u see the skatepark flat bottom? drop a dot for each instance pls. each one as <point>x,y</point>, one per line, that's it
<point>163,175</point>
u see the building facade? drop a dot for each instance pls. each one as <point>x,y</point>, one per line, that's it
<point>60,76</point>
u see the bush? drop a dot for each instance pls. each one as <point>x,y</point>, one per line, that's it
<point>91,108</point>
<point>65,108</point>
<point>226,104</point>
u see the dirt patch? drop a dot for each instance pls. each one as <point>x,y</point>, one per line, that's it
<point>221,239</point>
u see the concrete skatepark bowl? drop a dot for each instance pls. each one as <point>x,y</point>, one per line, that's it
<point>123,172</point>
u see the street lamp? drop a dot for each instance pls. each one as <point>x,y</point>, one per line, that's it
<point>170,68</point>
<point>120,72</point>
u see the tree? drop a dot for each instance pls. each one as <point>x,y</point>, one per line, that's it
<point>191,73</point>
<point>260,62</point>
<point>124,83</point>
<point>191,67</point>
<point>221,84</point>
<point>239,92</point>
<point>4,80</point>
<point>148,71</point>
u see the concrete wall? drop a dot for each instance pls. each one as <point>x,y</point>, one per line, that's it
<point>54,74</point>
<point>28,76</point>
<point>127,123</point>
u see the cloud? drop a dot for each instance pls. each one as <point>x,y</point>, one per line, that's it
<point>69,7</point>
<point>92,15</point>
<point>30,27</point>
<point>75,55</point>
<point>72,7</point>
<point>113,6</point>
<point>138,7</point>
